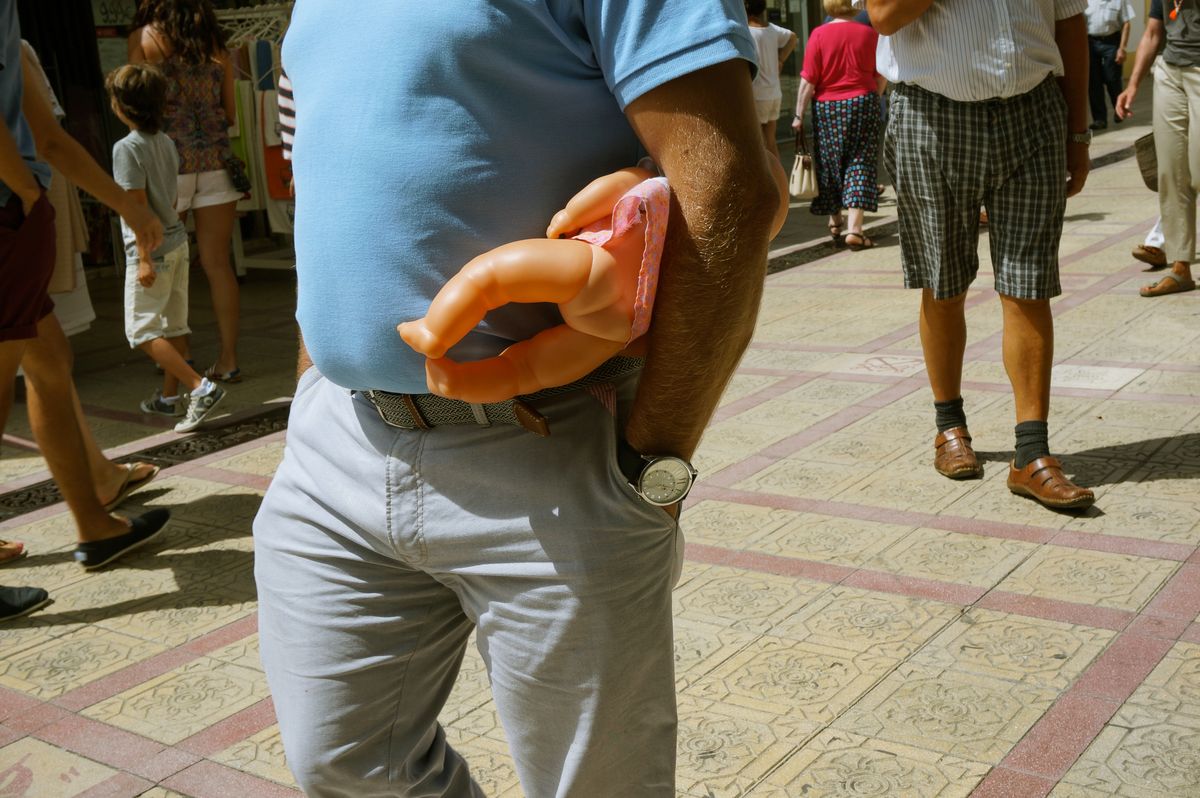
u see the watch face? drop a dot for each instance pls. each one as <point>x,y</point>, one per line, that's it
<point>665,481</point>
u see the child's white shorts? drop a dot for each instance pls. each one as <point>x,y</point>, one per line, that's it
<point>160,311</point>
<point>202,189</point>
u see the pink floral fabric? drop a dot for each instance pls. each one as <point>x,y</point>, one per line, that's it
<point>648,202</point>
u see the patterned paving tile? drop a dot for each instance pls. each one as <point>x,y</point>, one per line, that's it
<point>1090,577</point>
<point>700,647</point>
<point>861,621</point>
<point>805,683</point>
<point>719,523</point>
<point>962,714</point>
<point>160,792</point>
<point>30,768</point>
<point>796,477</point>
<point>184,701</point>
<point>64,663</point>
<point>1174,686</point>
<point>1103,378</point>
<point>854,447</point>
<point>905,488</point>
<point>838,764</point>
<point>723,750</point>
<point>1140,754</point>
<point>841,541</point>
<point>263,460</point>
<point>743,385</point>
<point>491,767</point>
<point>954,557</point>
<point>260,755</point>
<point>744,601</point>
<point>1028,650</point>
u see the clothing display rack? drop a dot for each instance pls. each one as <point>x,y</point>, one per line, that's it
<point>246,26</point>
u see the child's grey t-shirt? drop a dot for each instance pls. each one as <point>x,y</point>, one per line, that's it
<point>150,162</point>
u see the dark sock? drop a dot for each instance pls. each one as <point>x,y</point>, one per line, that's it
<point>950,414</point>
<point>1033,441</point>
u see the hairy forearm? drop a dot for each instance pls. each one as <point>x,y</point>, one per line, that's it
<point>1147,51</point>
<point>1070,35</point>
<point>889,16</point>
<point>708,296</point>
<point>70,158</point>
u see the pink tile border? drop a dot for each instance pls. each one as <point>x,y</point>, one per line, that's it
<point>914,587</point>
<point>767,563</point>
<point>1055,610</point>
<point>1192,634</point>
<point>227,477</point>
<point>1117,544</point>
<point>121,785</point>
<point>116,748</point>
<point>207,779</point>
<point>1054,743</point>
<point>1004,783</point>
<point>1180,597</point>
<point>234,729</point>
<point>1123,666</point>
<point>13,703</point>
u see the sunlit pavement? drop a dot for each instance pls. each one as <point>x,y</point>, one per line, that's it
<point>848,622</point>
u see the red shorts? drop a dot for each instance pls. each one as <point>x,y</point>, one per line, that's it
<point>26,265</point>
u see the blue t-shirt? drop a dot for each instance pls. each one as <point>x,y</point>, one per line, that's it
<point>11,95</point>
<point>424,138</point>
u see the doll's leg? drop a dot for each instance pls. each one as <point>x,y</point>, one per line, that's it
<point>551,358</point>
<point>595,201</point>
<point>534,270</point>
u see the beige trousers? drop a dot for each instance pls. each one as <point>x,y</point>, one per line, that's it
<point>1176,111</point>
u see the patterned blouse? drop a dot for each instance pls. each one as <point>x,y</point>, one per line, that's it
<point>193,116</point>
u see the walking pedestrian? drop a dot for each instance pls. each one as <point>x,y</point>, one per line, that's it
<point>400,521</point>
<point>1108,23</point>
<point>773,44</point>
<point>995,117</point>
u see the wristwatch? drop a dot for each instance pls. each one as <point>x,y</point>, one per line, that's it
<point>1080,138</point>
<point>661,480</point>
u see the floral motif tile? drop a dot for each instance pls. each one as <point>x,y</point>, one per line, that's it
<point>262,460</point>
<point>64,663</point>
<point>838,764</point>
<point>808,684</point>
<point>719,523</point>
<point>1141,754</point>
<point>723,750</point>
<point>743,600</point>
<point>700,647</point>
<point>861,621</point>
<point>243,653</point>
<point>856,448</point>
<point>1173,687</point>
<point>1128,511</point>
<point>260,755</point>
<point>109,593</point>
<point>1032,651</point>
<point>184,701</point>
<point>841,541</point>
<point>954,557</point>
<point>734,437</point>
<point>179,618</point>
<point>492,767</point>
<point>30,768</point>
<point>783,413</point>
<point>1095,578</point>
<point>796,477</point>
<point>743,385</point>
<point>962,714</point>
<point>904,488</point>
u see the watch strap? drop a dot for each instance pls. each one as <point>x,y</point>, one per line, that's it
<point>630,461</point>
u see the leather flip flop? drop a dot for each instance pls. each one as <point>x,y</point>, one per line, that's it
<point>1169,283</point>
<point>129,484</point>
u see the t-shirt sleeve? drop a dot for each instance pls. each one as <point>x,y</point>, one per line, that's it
<point>642,44</point>
<point>782,36</point>
<point>1063,9</point>
<point>127,167</point>
<point>1156,10</point>
<point>812,59</point>
<point>1127,13</point>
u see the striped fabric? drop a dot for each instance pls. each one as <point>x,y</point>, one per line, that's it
<point>287,114</point>
<point>971,50</point>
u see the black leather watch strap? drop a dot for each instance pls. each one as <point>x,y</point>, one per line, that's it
<point>630,461</point>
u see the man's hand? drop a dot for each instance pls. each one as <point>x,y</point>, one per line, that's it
<point>146,274</point>
<point>1078,164</point>
<point>145,226</point>
<point>29,199</point>
<point>1120,57</point>
<point>1123,107</point>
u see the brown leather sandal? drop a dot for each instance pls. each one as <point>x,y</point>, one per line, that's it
<point>862,243</point>
<point>953,456</point>
<point>1043,481</point>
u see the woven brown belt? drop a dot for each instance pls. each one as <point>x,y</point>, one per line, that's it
<point>426,410</point>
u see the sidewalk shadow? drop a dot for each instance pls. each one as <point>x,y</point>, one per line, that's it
<point>205,576</point>
<point>1102,465</point>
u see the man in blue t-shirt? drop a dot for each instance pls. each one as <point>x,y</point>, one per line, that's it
<point>399,522</point>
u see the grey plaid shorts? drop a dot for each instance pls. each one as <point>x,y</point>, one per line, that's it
<point>948,159</point>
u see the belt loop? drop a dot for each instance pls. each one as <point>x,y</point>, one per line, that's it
<point>481,417</point>
<point>414,411</point>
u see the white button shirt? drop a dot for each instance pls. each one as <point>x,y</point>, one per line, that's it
<point>1105,17</point>
<point>971,50</point>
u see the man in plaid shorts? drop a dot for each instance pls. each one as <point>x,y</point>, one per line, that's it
<point>990,109</point>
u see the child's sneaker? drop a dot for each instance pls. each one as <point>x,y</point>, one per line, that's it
<point>158,406</point>
<point>199,406</point>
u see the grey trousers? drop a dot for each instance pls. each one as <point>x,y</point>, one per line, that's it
<point>378,550</point>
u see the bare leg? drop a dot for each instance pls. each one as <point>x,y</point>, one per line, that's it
<point>56,430</point>
<point>1029,355</point>
<point>854,218</point>
<point>944,342</point>
<point>11,353</point>
<point>182,345</point>
<point>163,352</point>
<point>214,231</point>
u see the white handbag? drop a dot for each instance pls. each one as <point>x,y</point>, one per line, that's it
<point>803,182</point>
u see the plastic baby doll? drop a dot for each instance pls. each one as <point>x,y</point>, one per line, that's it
<point>603,279</point>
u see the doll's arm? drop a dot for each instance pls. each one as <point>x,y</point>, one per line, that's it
<point>533,270</point>
<point>553,357</point>
<point>595,201</point>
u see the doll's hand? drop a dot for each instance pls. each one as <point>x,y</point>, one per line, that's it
<point>595,201</point>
